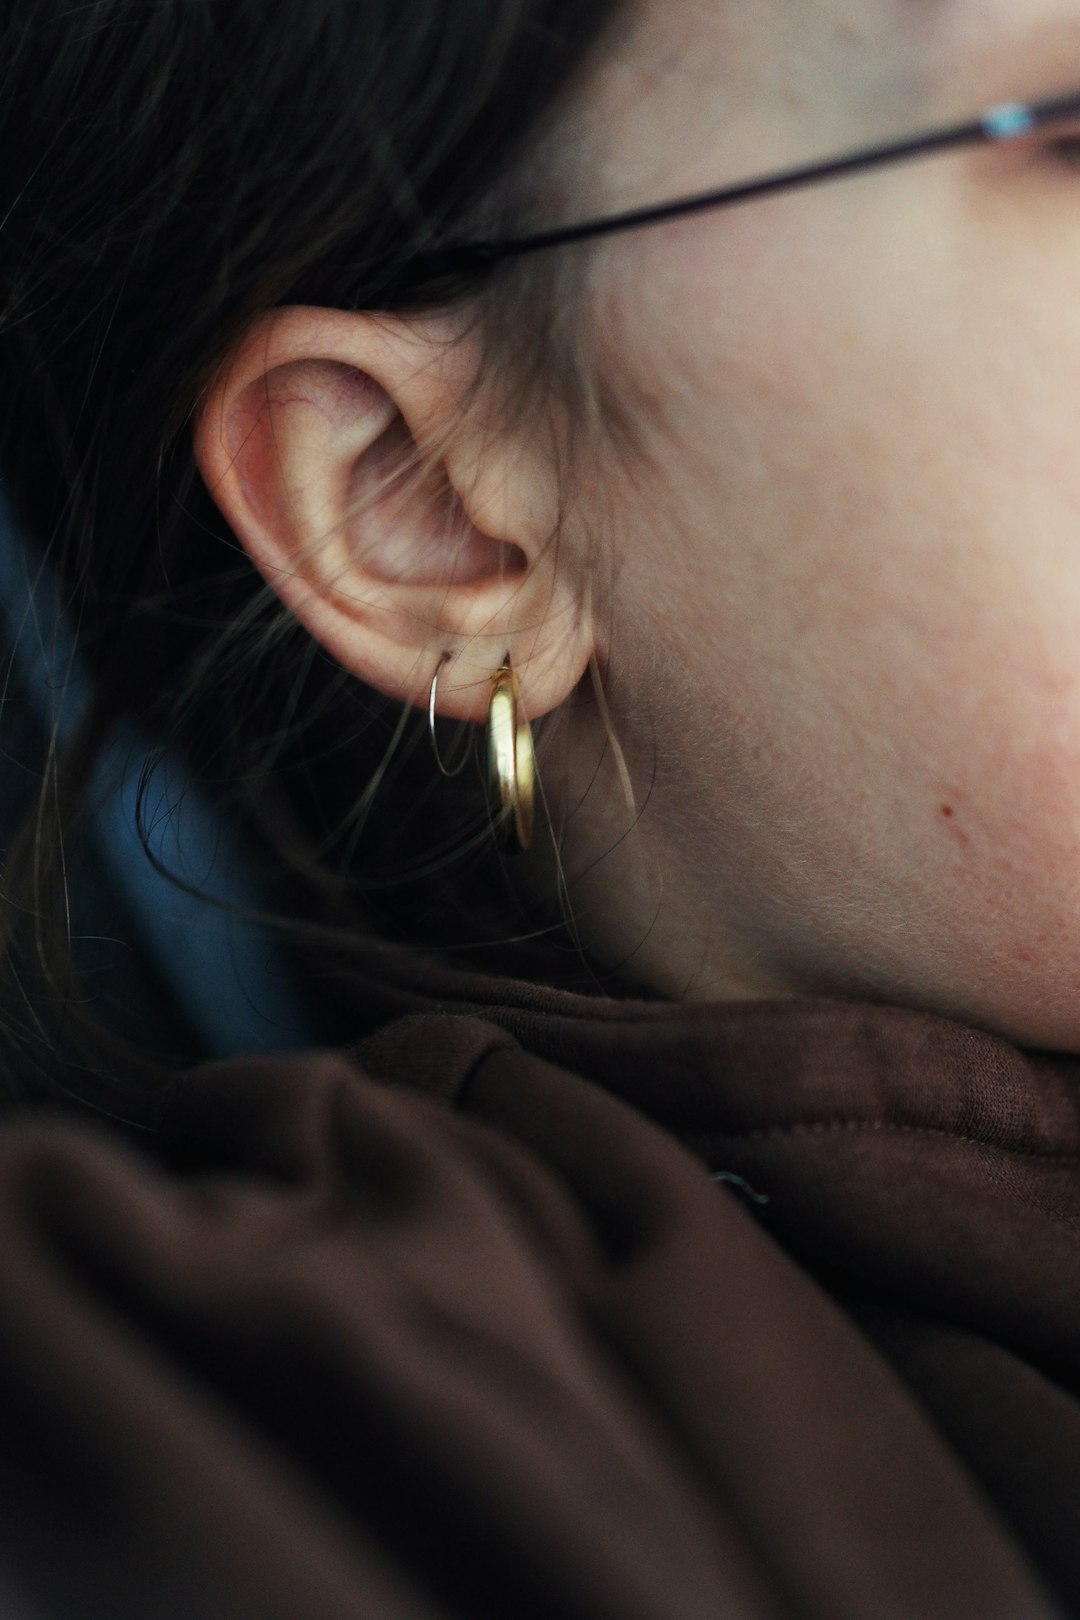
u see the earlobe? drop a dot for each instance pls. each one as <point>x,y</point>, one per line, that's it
<point>340,451</point>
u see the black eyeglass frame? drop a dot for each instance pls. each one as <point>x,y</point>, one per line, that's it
<point>1008,121</point>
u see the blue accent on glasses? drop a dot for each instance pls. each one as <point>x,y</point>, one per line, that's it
<point>1008,122</point>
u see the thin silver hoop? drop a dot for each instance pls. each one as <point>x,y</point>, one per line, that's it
<point>457,770</point>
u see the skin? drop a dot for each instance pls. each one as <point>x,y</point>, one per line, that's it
<point>833,587</point>
<point>853,566</point>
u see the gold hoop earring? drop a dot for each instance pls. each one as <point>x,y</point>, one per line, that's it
<point>467,755</point>
<point>511,762</point>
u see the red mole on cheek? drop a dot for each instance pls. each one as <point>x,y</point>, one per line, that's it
<point>948,814</point>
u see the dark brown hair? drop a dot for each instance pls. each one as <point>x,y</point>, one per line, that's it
<point>170,171</point>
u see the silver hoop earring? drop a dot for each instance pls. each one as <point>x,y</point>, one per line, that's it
<point>470,744</point>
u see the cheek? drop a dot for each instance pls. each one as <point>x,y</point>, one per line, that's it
<point>1016,837</point>
<point>959,889</point>
<point>869,498</point>
<point>1000,907</point>
<point>898,712</point>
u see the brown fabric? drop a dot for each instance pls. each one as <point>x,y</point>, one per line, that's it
<point>463,1324</point>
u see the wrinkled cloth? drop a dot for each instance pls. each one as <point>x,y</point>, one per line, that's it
<point>564,1307</point>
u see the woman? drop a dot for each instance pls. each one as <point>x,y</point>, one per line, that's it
<point>684,1231</point>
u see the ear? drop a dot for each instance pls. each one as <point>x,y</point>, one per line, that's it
<point>350,457</point>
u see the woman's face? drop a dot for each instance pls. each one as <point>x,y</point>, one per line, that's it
<point>844,648</point>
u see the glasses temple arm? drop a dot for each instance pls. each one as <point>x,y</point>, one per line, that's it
<point>1009,121</point>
